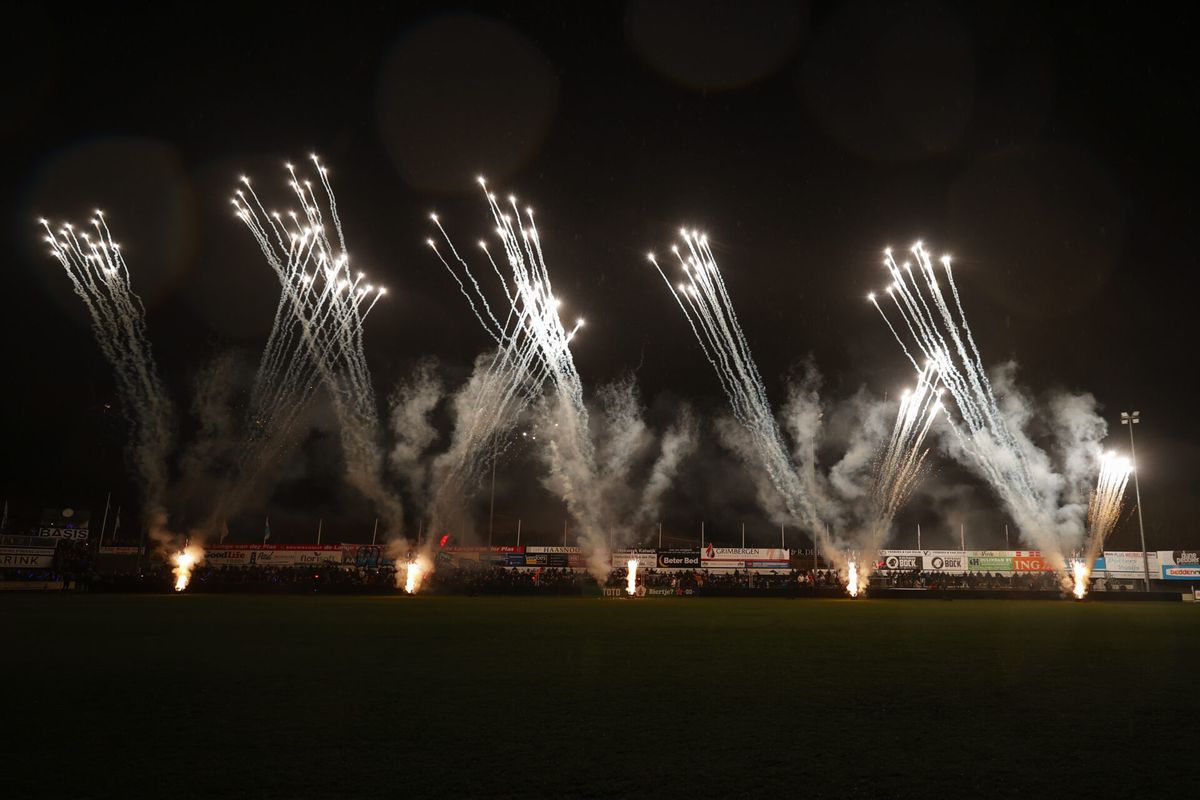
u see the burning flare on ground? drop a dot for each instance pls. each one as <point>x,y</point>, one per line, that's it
<point>852,583</point>
<point>1081,577</point>
<point>631,581</point>
<point>415,573</point>
<point>185,561</point>
<point>1104,512</point>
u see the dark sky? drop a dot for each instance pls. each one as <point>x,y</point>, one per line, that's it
<point>1047,146</point>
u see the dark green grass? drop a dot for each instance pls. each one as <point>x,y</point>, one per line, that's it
<point>297,697</point>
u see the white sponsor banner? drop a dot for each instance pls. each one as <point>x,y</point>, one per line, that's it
<point>645,558</point>
<point>760,558</point>
<point>950,562</point>
<point>267,556</point>
<point>555,550</point>
<point>25,558</point>
<point>54,532</point>
<point>1128,564</point>
<point>900,560</point>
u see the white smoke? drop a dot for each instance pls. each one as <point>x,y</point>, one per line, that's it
<point>412,405</point>
<point>678,443</point>
<point>605,476</point>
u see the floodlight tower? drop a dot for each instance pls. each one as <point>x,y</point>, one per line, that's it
<point>1132,419</point>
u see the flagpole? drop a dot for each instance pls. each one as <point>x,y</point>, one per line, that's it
<point>375,531</point>
<point>103,523</point>
<point>141,546</point>
<point>320,524</point>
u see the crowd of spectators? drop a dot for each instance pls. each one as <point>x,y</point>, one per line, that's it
<point>465,578</point>
<point>1029,581</point>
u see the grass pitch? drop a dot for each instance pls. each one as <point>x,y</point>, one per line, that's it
<point>306,697</point>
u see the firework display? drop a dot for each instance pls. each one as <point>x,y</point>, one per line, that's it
<point>709,310</point>
<point>1104,511</point>
<point>938,329</point>
<point>317,337</point>
<point>317,341</point>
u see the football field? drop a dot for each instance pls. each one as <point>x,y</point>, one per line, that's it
<point>205,696</point>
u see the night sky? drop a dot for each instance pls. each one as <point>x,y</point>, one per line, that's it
<point>1048,147</point>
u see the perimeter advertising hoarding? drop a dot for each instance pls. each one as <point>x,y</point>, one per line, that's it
<point>272,555</point>
<point>900,560</point>
<point>1180,565</point>
<point>679,558</point>
<point>645,558</point>
<point>1007,561</point>
<point>26,557</point>
<point>949,562</point>
<point>1031,561</point>
<point>559,557</point>
<point>756,558</point>
<point>365,556</point>
<point>1128,564</point>
<point>957,562</point>
<point>499,556</point>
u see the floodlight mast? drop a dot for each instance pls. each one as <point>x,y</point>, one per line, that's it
<point>1131,419</point>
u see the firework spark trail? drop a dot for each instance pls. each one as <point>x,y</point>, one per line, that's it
<point>100,277</point>
<point>533,352</point>
<point>1104,509</point>
<point>900,464</point>
<point>706,304</point>
<point>317,338</point>
<point>944,337</point>
<point>903,459</point>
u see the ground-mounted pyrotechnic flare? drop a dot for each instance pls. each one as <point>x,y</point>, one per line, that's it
<point>938,330</point>
<point>853,585</point>
<point>1104,512</point>
<point>317,338</point>
<point>100,277</point>
<point>631,577</point>
<point>1080,574</point>
<point>415,572</point>
<point>706,304</point>
<point>183,562</point>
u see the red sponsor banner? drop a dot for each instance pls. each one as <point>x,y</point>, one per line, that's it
<point>278,547</point>
<point>456,548</point>
<point>1031,561</point>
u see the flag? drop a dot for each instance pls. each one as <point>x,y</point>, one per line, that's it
<point>224,529</point>
<point>267,531</point>
<point>116,524</point>
<point>4,519</point>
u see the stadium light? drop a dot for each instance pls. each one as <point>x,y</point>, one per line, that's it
<point>1132,419</point>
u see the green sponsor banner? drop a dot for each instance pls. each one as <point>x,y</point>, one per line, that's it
<point>990,563</point>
